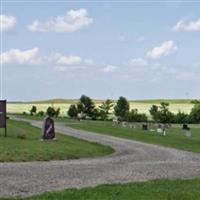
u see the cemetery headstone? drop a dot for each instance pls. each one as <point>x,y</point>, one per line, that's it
<point>144,127</point>
<point>187,130</point>
<point>48,129</point>
<point>185,127</point>
<point>124,124</point>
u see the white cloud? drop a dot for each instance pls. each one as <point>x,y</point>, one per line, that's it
<point>69,60</point>
<point>20,57</point>
<point>7,22</point>
<point>73,20</point>
<point>140,38</point>
<point>62,68</point>
<point>137,62</point>
<point>88,61</point>
<point>108,68</point>
<point>182,25</point>
<point>165,49</point>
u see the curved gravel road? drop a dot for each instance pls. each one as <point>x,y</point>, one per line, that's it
<point>132,161</point>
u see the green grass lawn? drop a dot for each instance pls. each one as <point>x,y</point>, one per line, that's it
<point>175,137</point>
<point>31,148</point>
<point>150,190</point>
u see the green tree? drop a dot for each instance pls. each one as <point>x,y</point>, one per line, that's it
<point>122,108</point>
<point>57,112</point>
<point>33,110</point>
<point>165,115</point>
<point>154,113</point>
<point>195,113</point>
<point>134,116</point>
<point>162,114</point>
<point>181,118</point>
<point>86,106</point>
<point>73,111</point>
<point>41,113</point>
<point>195,101</point>
<point>51,111</point>
<point>105,109</point>
<point>95,114</point>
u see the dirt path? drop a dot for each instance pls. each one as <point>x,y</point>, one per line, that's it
<point>132,161</point>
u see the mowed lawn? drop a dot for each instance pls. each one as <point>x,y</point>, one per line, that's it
<point>151,190</point>
<point>32,149</point>
<point>175,137</point>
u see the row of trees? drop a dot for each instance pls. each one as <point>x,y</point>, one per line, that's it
<point>51,111</point>
<point>85,108</point>
<point>163,115</point>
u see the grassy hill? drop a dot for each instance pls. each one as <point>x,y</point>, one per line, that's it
<point>72,101</point>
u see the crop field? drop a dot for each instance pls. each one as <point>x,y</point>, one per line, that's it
<point>142,106</point>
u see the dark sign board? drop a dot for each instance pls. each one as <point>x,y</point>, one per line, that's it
<point>3,114</point>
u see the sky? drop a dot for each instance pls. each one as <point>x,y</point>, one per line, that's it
<point>103,49</point>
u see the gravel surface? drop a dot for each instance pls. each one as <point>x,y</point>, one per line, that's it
<point>132,161</point>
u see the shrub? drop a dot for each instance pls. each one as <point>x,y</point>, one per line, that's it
<point>73,111</point>
<point>134,116</point>
<point>195,113</point>
<point>33,110</point>
<point>41,113</point>
<point>181,118</point>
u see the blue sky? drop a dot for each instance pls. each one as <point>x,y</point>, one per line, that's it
<point>101,49</point>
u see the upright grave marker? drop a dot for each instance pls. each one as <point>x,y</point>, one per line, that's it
<point>3,115</point>
<point>48,129</point>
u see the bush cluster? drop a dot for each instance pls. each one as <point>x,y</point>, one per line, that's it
<point>51,111</point>
<point>162,114</point>
<point>86,109</point>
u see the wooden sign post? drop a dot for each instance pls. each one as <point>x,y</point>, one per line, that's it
<point>3,118</point>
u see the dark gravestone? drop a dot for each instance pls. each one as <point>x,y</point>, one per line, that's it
<point>187,130</point>
<point>144,127</point>
<point>48,129</point>
<point>185,127</point>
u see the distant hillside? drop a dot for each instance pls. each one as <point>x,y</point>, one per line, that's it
<point>170,101</point>
<point>49,101</point>
<point>73,101</point>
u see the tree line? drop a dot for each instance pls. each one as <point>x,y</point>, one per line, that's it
<point>51,111</point>
<point>86,109</point>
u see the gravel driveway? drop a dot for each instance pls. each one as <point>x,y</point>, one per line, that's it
<point>132,161</point>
